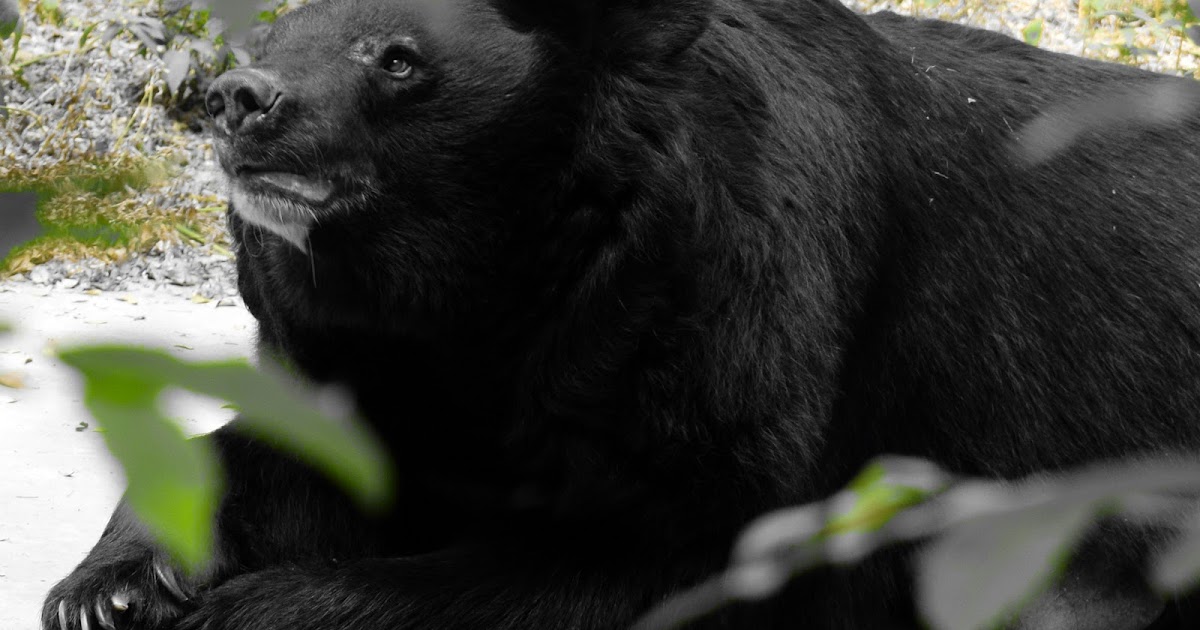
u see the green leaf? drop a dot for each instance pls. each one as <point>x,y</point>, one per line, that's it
<point>1177,568</point>
<point>203,48</point>
<point>983,571</point>
<point>178,64</point>
<point>278,413</point>
<point>172,482</point>
<point>189,233</point>
<point>87,32</point>
<point>272,409</point>
<point>879,494</point>
<point>16,48</point>
<point>110,32</point>
<point>1033,32</point>
<point>5,328</point>
<point>10,17</point>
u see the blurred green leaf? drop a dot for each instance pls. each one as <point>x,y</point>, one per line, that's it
<point>87,32</point>
<point>878,496</point>
<point>981,572</point>
<point>48,12</point>
<point>10,17</point>
<point>172,481</point>
<point>277,413</point>
<point>18,219</point>
<point>1177,568</point>
<point>1033,32</point>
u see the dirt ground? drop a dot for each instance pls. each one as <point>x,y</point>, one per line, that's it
<point>59,484</point>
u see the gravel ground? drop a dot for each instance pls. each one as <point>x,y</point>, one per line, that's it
<point>1062,31</point>
<point>79,102</point>
<point>94,102</point>
<point>168,269</point>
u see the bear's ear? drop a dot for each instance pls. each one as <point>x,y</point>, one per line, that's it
<point>645,29</point>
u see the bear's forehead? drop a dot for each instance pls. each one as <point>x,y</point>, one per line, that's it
<point>365,28</point>
<point>353,20</point>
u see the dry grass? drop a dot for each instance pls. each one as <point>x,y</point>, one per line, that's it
<point>105,208</point>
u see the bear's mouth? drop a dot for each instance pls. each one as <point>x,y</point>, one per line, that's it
<point>280,201</point>
<point>315,190</point>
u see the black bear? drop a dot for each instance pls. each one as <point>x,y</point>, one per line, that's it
<point>612,277</point>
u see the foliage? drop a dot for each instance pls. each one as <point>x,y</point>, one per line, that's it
<point>10,18</point>
<point>996,546</point>
<point>173,483</point>
<point>193,44</point>
<point>12,26</point>
<point>48,11</point>
<point>1032,33</point>
<point>1157,18</point>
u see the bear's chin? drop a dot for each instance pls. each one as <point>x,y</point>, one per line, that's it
<point>284,217</point>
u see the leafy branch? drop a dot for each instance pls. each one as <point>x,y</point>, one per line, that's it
<point>995,545</point>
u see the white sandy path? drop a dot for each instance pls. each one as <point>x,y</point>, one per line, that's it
<point>58,484</point>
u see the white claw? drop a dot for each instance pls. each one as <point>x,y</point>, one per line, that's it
<point>104,616</point>
<point>83,619</point>
<point>62,615</point>
<point>167,579</point>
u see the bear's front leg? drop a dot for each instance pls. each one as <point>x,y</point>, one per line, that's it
<point>475,588</point>
<point>274,510</point>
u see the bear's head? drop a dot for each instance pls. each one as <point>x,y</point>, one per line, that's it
<point>417,161</point>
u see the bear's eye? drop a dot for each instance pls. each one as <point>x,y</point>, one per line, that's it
<point>396,63</point>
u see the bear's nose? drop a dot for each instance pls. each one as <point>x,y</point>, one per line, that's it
<point>239,98</point>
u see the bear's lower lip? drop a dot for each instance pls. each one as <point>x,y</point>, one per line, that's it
<point>308,188</point>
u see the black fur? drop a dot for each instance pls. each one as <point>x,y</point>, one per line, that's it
<point>612,277</point>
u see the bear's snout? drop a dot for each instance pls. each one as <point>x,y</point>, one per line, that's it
<point>239,99</point>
